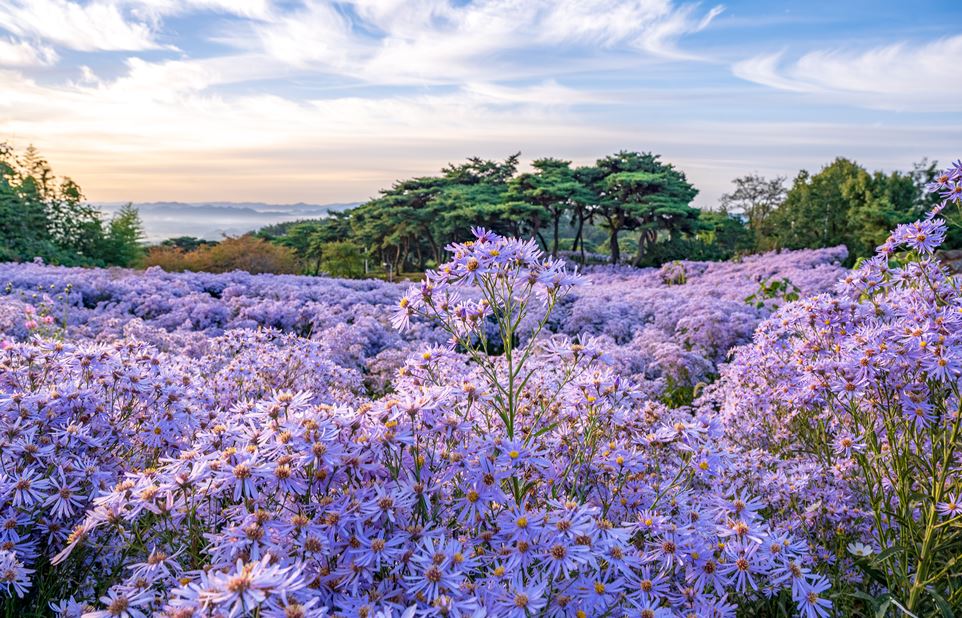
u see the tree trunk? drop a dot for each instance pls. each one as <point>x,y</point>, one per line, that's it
<point>397,262</point>
<point>541,239</point>
<point>554,245</point>
<point>645,240</point>
<point>578,238</point>
<point>613,244</point>
<point>434,247</point>
<point>640,253</point>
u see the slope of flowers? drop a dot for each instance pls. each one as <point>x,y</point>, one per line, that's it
<point>522,461</point>
<point>662,331</point>
<point>673,326</point>
<point>252,476</point>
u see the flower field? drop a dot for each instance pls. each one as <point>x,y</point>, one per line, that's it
<point>773,436</point>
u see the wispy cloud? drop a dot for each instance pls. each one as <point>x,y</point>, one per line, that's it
<point>156,10</point>
<point>437,42</point>
<point>897,76</point>
<point>85,27</point>
<point>126,139</point>
<point>23,54</point>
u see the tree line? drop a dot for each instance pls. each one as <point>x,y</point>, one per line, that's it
<point>637,203</point>
<point>841,204</point>
<point>629,207</point>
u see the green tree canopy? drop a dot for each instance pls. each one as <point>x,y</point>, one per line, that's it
<point>637,191</point>
<point>843,204</point>
<point>552,191</point>
<point>123,242</point>
<point>43,216</point>
<point>756,198</point>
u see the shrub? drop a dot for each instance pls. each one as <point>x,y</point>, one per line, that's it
<point>247,253</point>
<point>343,259</point>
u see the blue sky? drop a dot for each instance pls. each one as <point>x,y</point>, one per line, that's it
<point>254,100</point>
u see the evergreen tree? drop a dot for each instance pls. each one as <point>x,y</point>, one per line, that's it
<point>552,191</point>
<point>636,191</point>
<point>124,239</point>
<point>43,216</point>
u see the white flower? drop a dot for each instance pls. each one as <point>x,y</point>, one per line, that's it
<point>860,549</point>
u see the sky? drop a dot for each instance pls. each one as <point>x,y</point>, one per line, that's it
<point>288,101</point>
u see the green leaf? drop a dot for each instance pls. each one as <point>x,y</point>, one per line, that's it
<point>874,573</point>
<point>544,430</point>
<point>864,596</point>
<point>883,609</point>
<point>942,604</point>
<point>887,553</point>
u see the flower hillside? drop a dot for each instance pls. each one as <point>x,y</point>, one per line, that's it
<point>662,336</point>
<point>509,437</point>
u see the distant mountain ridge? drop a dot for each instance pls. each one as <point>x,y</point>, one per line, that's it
<point>214,220</point>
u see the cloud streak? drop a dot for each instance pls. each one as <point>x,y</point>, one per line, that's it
<point>23,54</point>
<point>84,27</point>
<point>439,42</point>
<point>899,76</point>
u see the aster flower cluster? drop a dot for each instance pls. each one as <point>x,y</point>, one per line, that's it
<point>861,387</point>
<point>663,337</point>
<point>508,471</point>
<point>668,338</point>
<point>75,417</point>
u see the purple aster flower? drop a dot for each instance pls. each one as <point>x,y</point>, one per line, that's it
<point>744,565</point>
<point>811,600</point>
<point>846,443</point>
<point>120,603</point>
<point>14,577</point>
<point>28,488</point>
<point>951,507</point>
<point>65,498</point>
<point>434,572</point>
<point>923,236</point>
<point>244,588</point>
<point>521,600</point>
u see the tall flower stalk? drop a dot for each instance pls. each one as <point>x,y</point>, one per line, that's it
<point>510,281</point>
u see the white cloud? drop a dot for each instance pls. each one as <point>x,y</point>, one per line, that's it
<point>158,9</point>
<point>112,25</point>
<point>437,42</point>
<point>158,106</point>
<point>85,27</point>
<point>22,54</point>
<point>317,34</point>
<point>548,93</point>
<point>899,76</point>
<point>661,39</point>
<point>246,124</point>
